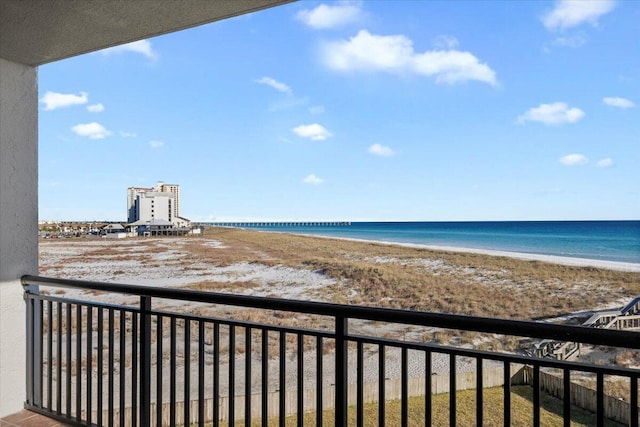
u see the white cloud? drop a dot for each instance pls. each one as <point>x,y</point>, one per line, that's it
<point>279,86</point>
<point>313,179</point>
<point>573,159</point>
<point>95,108</point>
<point>330,16</point>
<point>317,109</point>
<point>395,54</point>
<point>143,47</point>
<point>381,150</point>
<point>91,130</point>
<point>605,163</point>
<point>54,100</point>
<point>315,132</point>
<point>552,114</point>
<point>571,13</point>
<point>128,134</point>
<point>288,103</point>
<point>446,42</point>
<point>618,102</point>
<point>574,41</point>
<point>156,144</point>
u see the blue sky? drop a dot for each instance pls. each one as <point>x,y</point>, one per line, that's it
<point>373,110</point>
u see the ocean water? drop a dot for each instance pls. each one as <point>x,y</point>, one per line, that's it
<point>599,240</point>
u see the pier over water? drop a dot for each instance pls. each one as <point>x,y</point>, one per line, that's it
<point>263,224</point>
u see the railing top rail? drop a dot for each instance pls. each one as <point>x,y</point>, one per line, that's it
<point>596,336</point>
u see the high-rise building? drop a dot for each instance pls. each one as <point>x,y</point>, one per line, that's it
<point>175,190</point>
<point>160,203</point>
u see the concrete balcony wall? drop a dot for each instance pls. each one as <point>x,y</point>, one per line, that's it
<point>18,221</point>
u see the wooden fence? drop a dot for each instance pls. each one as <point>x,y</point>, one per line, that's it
<point>581,396</point>
<point>492,377</point>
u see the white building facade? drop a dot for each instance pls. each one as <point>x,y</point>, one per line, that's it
<point>154,205</point>
<point>160,203</point>
<point>173,189</point>
<point>132,208</point>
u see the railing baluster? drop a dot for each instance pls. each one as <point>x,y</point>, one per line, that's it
<point>39,385</point>
<point>99,367</point>
<point>187,372</point>
<point>216,374</point>
<point>359,385</point>
<point>300,384</point>
<point>68,367</point>
<point>123,361</point>
<point>536,394</point>
<point>50,355</point>
<point>29,379</point>
<point>452,390</point>
<point>172,374</point>
<point>89,393</point>
<point>341,332</point>
<point>427,388</point>
<point>281,392</point>
<point>145,362</point>
<point>265,378</point>
<point>247,376</point>
<point>78,362</point>
<point>566,398</point>
<point>59,360</point>
<point>479,392</point>
<point>159,368</point>
<point>319,379</point>
<point>633,401</point>
<point>404,394</point>
<point>507,394</point>
<point>599,399</point>
<point>201,373</point>
<point>232,374</point>
<point>110,374</point>
<point>382,382</point>
<point>134,369</point>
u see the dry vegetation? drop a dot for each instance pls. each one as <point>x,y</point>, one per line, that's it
<point>419,279</point>
<point>363,273</point>
<point>383,275</point>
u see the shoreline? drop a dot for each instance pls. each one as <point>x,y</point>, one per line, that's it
<point>552,259</point>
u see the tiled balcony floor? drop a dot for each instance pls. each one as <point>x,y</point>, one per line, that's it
<point>29,419</point>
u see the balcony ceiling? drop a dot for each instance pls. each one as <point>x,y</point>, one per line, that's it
<point>36,32</point>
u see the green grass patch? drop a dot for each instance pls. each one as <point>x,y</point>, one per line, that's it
<point>521,411</point>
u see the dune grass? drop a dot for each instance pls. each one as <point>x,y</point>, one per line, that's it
<point>383,275</point>
<point>420,279</point>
